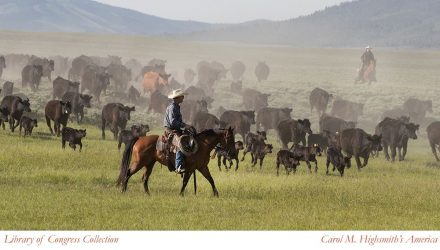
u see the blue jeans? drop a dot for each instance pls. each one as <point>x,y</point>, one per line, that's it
<point>180,157</point>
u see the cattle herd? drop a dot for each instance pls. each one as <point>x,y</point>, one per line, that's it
<point>339,138</point>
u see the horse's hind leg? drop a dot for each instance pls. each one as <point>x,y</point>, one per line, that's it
<point>205,172</point>
<point>148,171</point>
<point>186,177</point>
<point>134,167</point>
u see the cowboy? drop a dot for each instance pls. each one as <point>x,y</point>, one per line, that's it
<point>173,123</point>
<point>367,58</point>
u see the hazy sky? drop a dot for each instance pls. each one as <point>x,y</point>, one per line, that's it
<point>225,11</point>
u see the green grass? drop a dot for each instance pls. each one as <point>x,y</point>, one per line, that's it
<point>44,187</point>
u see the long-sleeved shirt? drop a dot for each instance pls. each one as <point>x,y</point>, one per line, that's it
<point>173,117</point>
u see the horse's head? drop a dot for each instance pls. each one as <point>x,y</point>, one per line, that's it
<point>228,140</point>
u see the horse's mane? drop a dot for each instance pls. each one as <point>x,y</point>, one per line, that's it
<point>207,132</point>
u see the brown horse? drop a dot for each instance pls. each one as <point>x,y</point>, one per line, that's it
<point>146,155</point>
<point>367,74</point>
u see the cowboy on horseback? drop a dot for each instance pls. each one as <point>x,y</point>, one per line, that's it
<point>367,71</point>
<point>367,57</point>
<point>174,124</point>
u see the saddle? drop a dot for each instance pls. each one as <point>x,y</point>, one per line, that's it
<point>171,142</point>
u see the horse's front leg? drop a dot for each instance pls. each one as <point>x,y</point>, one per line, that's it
<point>186,177</point>
<point>205,172</point>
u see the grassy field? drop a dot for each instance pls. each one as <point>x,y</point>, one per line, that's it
<point>45,187</point>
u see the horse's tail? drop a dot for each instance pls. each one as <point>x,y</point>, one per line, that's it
<point>126,158</point>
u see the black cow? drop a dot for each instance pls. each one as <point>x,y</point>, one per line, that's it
<point>395,134</point>
<point>293,131</point>
<point>269,118</point>
<point>259,151</point>
<point>337,159</point>
<point>228,155</point>
<point>255,100</point>
<point>334,124</point>
<point>14,106</point>
<point>288,159</point>
<point>417,108</point>
<point>96,80</point>
<point>62,86</point>
<point>240,120</point>
<point>134,95</point>
<point>433,131</point>
<point>347,110</point>
<point>57,111</point>
<point>31,75</point>
<point>78,102</point>
<point>73,136</point>
<point>203,121</point>
<point>307,154</point>
<point>136,131</point>
<point>28,125</point>
<point>356,142</point>
<point>116,115</point>
<point>2,65</point>
<point>319,99</point>
<point>8,88</point>
<point>319,139</point>
<point>252,139</point>
<point>4,114</point>
<point>47,65</point>
<point>237,87</point>
<point>158,102</point>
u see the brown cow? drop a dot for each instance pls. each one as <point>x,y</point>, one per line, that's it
<point>417,108</point>
<point>62,86</point>
<point>347,110</point>
<point>333,124</point>
<point>8,88</point>
<point>57,111</point>
<point>293,131</point>
<point>153,81</point>
<point>116,115</point>
<point>121,76</point>
<point>255,100</point>
<point>203,121</point>
<point>134,95</point>
<point>96,80</point>
<point>2,65</point>
<point>270,117</point>
<point>237,70</point>
<point>14,106</point>
<point>31,75</point>
<point>433,131</point>
<point>158,102</point>
<point>241,121</point>
<point>262,71</point>
<point>319,99</point>
<point>79,102</point>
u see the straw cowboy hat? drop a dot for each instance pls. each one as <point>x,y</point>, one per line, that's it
<point>176,93</point>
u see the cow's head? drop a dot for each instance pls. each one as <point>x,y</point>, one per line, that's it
<point>66,107</point>
<point>250,116</point>
<point>239,145</point>
<point>304,125</point>
<point>268,148</point>
<point>80,133</point>
<point>411,129</point>
<point>376,142</point>
<point>262,135</point>
<point>24,105</point>
<point>285,113</point>
<point>84,100</point>
<point>317,149</point>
